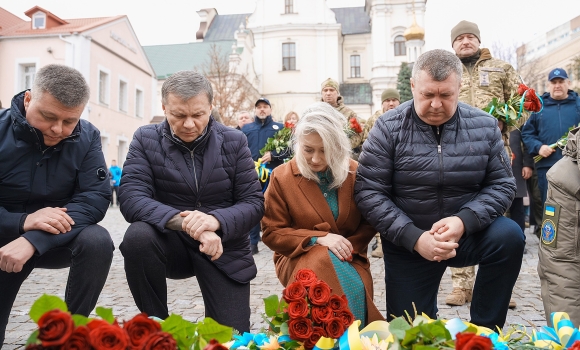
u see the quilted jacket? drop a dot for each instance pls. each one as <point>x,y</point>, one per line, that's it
<point>406,181</point>
<point>160,180</point>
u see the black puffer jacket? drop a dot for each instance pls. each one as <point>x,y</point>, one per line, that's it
<point>159,181</point>
<point>406,182</point>
<point>71,174</point>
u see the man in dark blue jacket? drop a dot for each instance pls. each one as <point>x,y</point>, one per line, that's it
<point>190,191</point>
<point>258,133</point>
<point>561,111</point>
<point>434,180</point>
<point>54,188</point>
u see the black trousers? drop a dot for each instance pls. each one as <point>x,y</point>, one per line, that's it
<point>498,250</point>
<point>89,257</point>
<point>152,256</point>
<point>517,212</point>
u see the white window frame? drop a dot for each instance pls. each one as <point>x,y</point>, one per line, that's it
<point>107,92</point>
<point>105,140</point>
<point>395,42</point>
<point>122,153</point>
<point>359,66</point>
<point>291,6</point>
<point>295,56</point>
<point>139,105</point>
<point>36,15</point>
<point>19,66</point>
<point>122,80</point>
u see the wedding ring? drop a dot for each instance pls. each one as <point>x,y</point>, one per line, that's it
<point>339,248</point>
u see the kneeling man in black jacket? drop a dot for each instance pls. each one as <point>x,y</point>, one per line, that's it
<point>191,193</point>
<point>434,180</point>
<point>54,188</point>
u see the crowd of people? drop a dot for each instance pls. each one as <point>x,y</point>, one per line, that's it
<point>431,178</point>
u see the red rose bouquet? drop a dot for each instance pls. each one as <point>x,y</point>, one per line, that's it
<point>309,311</point>
<point>520,102</point>
<point>353,127</point>
<point>58,329</point>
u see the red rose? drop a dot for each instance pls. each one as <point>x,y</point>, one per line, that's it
<point>55,327</point>
<point>109,337</point>
<point>306,276</point>
<point>298,308</point>
<point>214,345</point>
<point>470,341</point>
<point>79,340</point>
<point>288,125</point>
<point>160,341</point>
<point>337,303</point>
<point>139,328</point>
<point>575,345</point>
<point>96,324</point>
<point>300,329</point>
<point>321,314</point>
<point>317,333</point>
<point>521,89</point>
<point>319,293</point>
<point>294,291</point>
<point>346,317</point>
<point>354,125</point>
<point>334,328</point>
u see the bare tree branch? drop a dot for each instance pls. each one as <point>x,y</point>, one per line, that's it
<point>232,91</point>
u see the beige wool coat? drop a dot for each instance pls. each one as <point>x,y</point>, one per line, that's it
<point>296,211</point>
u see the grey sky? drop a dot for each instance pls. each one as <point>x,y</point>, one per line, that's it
<point>176,21</point>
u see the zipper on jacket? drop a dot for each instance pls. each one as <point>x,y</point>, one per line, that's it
<point>194,172</point>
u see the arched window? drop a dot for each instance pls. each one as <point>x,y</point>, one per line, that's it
<point>400,49</point>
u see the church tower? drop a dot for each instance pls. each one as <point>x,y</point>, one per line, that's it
<point>393,40</point>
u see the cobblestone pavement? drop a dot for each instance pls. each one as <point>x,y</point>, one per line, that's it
<point>184,296</point>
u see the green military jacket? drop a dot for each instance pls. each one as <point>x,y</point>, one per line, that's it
<point>489,78</point>
<point>370,123</point>
<point>355,139</point>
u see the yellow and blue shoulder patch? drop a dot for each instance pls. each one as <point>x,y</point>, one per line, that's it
<point>549,231</point>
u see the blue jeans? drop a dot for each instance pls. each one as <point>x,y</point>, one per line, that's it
<point>498,250</point>
<point>543,184</point>
<point>255,235</point>
<point>89,256</point>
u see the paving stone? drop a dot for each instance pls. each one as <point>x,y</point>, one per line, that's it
<point>185,297</point>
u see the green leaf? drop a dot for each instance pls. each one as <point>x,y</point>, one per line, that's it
<point>398,327</point>
<point>410,336</point>
<point>181,330</point>
<point>424,347</point>
<point>105,313</point>
<point>44,304</point>
<point>80,320</point>
<point>284,328</point>
<point>210,329</point>
<point>33,339</point>
<point>271,304</point>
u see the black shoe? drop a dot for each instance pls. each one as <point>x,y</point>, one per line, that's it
<point>254,248</point>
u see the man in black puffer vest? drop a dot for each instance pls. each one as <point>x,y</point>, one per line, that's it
<point>434,180</point>
<point>190,191</point>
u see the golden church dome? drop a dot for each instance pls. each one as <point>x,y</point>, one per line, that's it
<point>414,32</point>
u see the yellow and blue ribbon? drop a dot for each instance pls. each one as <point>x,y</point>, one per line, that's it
<point>263,173</point>
<point>561,336</point>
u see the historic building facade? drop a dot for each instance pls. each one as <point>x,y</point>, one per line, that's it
<point>286,48</point>
<point>105,50</point>
<point>557,48</point>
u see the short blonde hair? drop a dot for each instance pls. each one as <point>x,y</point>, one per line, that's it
<point>322,119</point>
<point>287,117</point>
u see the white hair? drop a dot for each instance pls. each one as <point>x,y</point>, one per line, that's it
<point>322,119</point>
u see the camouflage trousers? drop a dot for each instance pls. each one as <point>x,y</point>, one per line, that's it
<point>463,277</point>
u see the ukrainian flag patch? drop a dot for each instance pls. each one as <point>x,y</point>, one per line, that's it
<point>550,210</point>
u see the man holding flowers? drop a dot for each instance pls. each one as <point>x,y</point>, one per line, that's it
<point>483,79</point>
<point>544,128</point>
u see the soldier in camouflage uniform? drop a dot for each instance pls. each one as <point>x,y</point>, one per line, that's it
<point>390,98</point>
<point>484,78</point>
<point>331,95</point>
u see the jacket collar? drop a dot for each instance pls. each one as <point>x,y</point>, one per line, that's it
<point>27,132</point>
<point>266,122</point>
<point>572,96</point>
<point>419,121</point>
